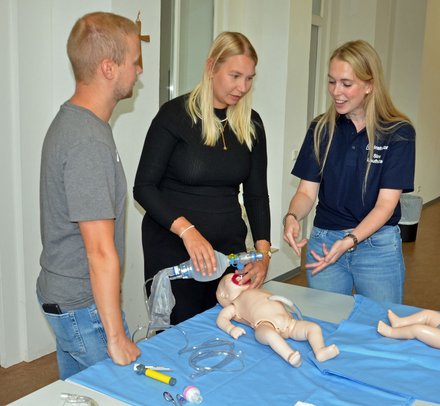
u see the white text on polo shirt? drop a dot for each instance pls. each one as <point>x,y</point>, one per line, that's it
<point>377,158</point>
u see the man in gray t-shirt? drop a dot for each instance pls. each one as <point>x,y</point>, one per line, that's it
<point>82,179</point>
<point>82,199</point>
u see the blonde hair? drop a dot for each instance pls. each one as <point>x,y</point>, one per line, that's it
<point>97,36</point>
<point>381,115</point>
<point>200,101</point>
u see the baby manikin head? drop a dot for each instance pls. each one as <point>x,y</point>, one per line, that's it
<point>229,289</point>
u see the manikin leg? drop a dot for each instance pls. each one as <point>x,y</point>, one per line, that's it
<point>305,330</point>
<point>266,334</point>
<point>427,334</point>
<point>427,317</point>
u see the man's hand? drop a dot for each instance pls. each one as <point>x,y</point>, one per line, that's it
<point>122,351</point>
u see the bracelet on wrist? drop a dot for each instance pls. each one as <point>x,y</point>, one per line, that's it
<point>290,213</point>
<point>186,229</point>
<point>266,252</point>
<point>355,241</point>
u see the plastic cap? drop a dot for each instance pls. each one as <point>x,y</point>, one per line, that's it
<point>192,394</point>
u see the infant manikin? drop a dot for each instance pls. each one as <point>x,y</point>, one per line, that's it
<point>272,323</point>
<point>423,325</point>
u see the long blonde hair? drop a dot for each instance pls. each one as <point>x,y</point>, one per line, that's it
<point>200,102</point>
<point>381,115</point>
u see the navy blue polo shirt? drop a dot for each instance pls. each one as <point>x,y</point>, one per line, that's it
<point>342,203</point>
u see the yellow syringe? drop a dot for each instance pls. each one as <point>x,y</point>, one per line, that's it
<point>141,369</point>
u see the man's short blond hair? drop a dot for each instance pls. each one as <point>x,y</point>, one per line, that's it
<point>95,37</point>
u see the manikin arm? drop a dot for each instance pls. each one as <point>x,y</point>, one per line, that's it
<point>224,322</point>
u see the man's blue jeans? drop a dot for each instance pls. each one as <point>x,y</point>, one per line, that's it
<point>80,338</point>
<point>375,269</point>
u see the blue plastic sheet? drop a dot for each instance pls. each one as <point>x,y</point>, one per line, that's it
<point>265,380</point>
<point>404,367</point>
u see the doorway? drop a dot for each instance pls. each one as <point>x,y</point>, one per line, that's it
<point>186,36</point>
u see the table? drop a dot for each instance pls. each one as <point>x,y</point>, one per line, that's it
<point>328,306</point>
<point>321,305</point>
<point>50,395</point>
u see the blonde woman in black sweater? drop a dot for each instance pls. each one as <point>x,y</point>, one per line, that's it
<point>200,149</point>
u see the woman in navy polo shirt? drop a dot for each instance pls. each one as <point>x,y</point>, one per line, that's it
<point>357,158</point>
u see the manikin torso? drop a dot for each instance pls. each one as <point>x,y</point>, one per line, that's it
<point>255,306</point>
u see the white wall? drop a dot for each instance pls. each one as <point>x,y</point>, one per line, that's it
<point>11,263</point>
<point>405,33</point>
<point>428,138</point>
<point>406,53</point>
<point>295,119</point>
<point>36,79</point>
<point>281,36</point>
<point>195,38</point>
<point>269,30</point>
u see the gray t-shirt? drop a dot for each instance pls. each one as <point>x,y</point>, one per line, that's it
<point>81,179</point>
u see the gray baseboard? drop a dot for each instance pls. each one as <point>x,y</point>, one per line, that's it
<point>433,201</point>
<point>288,275</point>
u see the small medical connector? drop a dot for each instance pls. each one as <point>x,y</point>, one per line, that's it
<point>192,395</point>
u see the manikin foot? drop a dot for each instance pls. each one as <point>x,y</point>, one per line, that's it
<point>394,319</point>
<point>327,353</point>
<point>294,359</point>
<point>384,329</point>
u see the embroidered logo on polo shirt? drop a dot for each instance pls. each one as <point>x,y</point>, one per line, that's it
<point>377,155</point>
